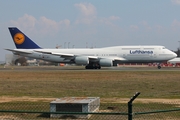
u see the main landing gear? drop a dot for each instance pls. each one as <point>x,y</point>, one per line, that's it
<point>93,66</point>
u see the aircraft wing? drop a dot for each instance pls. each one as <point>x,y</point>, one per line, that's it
<point>67,55</point>
<point>16,51</point>
<point>93,57</point>
<point>119,59</point>
<point>112,58</point>
<point>63,54</point>
<point>70,56</point>
<point>57,54</point>
<point>44,52</point>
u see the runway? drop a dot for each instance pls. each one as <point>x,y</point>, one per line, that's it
<point>82,68</point>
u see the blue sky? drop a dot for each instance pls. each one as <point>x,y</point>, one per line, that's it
<point>92,23</point>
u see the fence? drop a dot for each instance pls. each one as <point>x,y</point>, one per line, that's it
<point>107,111</point>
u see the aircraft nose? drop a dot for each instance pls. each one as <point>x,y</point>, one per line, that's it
<point>174,54</point>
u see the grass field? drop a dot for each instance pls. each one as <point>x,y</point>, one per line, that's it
<point>26,89</point>
<point>105,84</point>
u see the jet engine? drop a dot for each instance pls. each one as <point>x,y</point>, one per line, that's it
<point>106,62</point>
<point>83,60</point>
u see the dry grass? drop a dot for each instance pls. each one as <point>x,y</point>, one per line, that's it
<point>33,89</point>
<point>105,84</point>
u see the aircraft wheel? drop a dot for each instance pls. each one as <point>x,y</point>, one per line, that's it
<point>92,67</point>
<point>88,67</point>
<point>159,67</point>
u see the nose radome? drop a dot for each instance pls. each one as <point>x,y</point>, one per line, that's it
<point>174,54</point>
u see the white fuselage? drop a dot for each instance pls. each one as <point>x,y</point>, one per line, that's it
<point>120,53</point>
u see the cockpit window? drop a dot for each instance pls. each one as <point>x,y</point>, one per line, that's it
<point>163,48</point>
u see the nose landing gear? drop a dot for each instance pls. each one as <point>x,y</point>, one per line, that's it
<point>159,66</point>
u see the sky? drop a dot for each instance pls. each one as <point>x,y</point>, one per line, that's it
<point>91,23</point>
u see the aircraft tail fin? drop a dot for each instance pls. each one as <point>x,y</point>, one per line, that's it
<point>21,40</point>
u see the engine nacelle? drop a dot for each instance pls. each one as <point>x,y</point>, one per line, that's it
<point>82,60</point>
<point>106,62</point>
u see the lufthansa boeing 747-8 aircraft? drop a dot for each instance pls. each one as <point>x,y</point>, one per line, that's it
<point>91,58</point>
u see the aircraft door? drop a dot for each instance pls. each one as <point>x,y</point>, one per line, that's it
<point>155,54</point>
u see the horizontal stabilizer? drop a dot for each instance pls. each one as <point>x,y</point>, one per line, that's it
<point>19,51</point>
